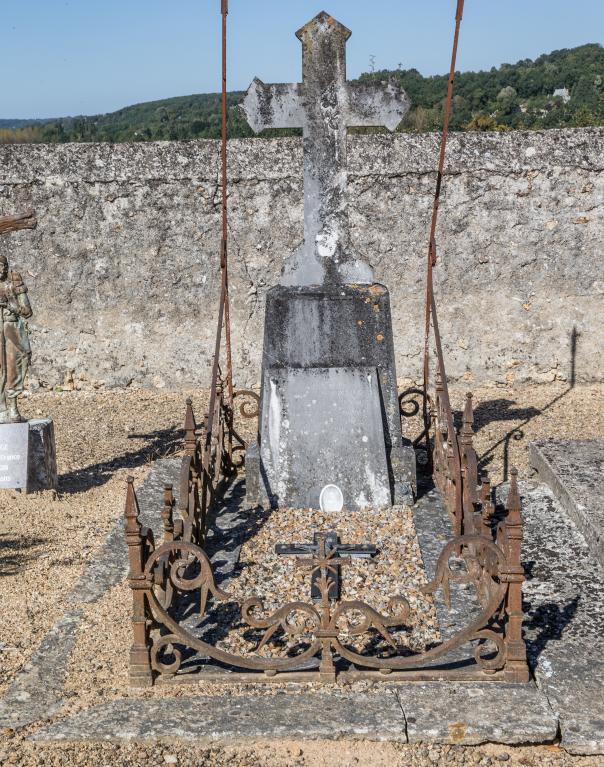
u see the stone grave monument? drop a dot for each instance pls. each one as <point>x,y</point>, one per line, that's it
<point>27,448</point>
<point>329,409</point>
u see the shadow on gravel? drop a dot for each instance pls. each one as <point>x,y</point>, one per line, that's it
<point>161,444</point>
<point>15,552</point>
<point>222,547</point>
<point>501,410</point>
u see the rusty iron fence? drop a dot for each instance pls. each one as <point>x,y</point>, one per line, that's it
<point>162,575</point>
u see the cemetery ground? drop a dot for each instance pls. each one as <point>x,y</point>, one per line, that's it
<point>47,541</point>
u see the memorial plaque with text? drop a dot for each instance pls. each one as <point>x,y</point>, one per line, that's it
<point>14,448</point>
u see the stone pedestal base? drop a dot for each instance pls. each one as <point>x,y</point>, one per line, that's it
<point>27,455</point>
<point>329,408</point>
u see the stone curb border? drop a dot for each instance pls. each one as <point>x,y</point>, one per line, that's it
<point>408,713</point>
<point>572,470</point>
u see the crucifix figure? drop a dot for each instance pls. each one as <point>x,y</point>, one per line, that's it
<point>328,555</point>
<point>324,105</point>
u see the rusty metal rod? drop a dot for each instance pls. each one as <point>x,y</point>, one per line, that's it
<point>436,203</point>
<point>224,9</point>
<point>430,302</point>
<point>444,136</point>
<point>452,434</point>
<point>216,360</point>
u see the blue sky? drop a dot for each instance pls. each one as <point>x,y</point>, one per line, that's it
<point>66,57</point>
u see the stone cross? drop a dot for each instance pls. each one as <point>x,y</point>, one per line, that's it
<point>324,105</point>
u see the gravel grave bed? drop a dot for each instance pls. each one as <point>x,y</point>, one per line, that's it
<point>100,665</point>
<point>397,570</point>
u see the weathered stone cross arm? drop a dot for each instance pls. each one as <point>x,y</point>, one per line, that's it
<point>352,104</point>
<point>374,105</point>
<point>368,104</point>
<point>273,106</point>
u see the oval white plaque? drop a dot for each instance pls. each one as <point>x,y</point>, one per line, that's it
<point>331,498</point>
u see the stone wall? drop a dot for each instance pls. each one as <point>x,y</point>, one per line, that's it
<point>123,268</point>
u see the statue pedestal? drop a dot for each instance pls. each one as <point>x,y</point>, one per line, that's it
<point>27,455</point>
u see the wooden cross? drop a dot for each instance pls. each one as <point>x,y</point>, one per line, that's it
<point>328,554</point>
<point>324,105</point>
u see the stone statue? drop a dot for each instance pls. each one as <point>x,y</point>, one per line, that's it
<point>15,351</point>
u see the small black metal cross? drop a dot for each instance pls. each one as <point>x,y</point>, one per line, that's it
<point>327,554</point>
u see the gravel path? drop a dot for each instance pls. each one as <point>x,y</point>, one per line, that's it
<point>47,540</point>
<point>284,753</point>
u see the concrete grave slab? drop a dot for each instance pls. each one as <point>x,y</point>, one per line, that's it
<point>468,714</point>
<point>563,594</point>
<point>323,426</point>
<point>572,678</point>
<point>282,715</point>
<point>563,600</point>
<point>573,469</point>
<point>37,691</point>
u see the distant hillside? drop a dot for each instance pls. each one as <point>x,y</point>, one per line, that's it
<point>179,118</point>
<point>559,89</point>
<point>12,124</point>
<point>513,96</point>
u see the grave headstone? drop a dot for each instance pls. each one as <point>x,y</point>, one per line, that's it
<point>329,377</point>
<point>27,455</point>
